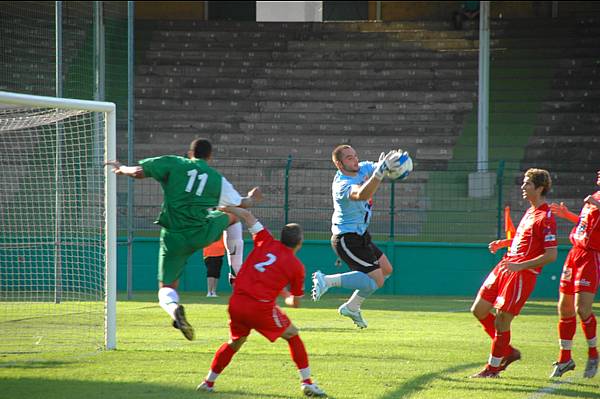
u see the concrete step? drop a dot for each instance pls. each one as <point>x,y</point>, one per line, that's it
<point>373,55</point>
<point>568,117</point>
<point>307,95</point>
<point>297,73</point>
<point>199,58</point>
<point>381,142</point>
<point>292,117</point>
<point>566,142</point>
<point>251,151</point>
<point>160,130</point>
<point>188,44</point>
<point>282,84</point>
<point>568,130</point>
<point>303,106</point>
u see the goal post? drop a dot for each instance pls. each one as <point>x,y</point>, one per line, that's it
<point>57,224</point>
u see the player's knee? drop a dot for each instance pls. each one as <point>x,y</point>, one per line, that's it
<point>237,343</point>
<point>584,311</point>
<point>290,332</point>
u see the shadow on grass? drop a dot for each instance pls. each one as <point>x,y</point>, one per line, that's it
<point>421,383</point>
<point>34,388</point>
<point>32,364</point>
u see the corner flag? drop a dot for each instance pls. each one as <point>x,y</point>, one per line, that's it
<point>509,227</point>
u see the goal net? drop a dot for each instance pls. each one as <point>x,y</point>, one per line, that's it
<point>57,225</point>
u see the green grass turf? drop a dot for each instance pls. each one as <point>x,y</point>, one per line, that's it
<point>415,347</point>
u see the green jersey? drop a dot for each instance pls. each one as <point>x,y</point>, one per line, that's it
<point>190,189</point>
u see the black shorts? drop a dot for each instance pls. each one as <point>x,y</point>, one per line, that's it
<point>357,251</point>
<point>213,266</point>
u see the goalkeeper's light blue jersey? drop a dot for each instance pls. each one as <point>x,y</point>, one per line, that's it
<point>350,216</point>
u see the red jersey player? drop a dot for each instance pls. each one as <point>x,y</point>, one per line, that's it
<point>271,266</point>
<point>579,283</point>
<point>513,279</point>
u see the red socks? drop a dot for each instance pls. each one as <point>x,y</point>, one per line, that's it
<point>566,332</point>
<point>500,346</point>
<point>589,329</point>
<point>298,352</point>
<point>490,329</point>
<point>222,358</point>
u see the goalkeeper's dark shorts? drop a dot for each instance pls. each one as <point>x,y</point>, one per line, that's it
<point>358,251</point>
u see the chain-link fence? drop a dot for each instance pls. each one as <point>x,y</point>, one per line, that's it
<point>428,206</point>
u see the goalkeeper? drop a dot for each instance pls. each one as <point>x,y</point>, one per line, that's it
<point>353,187</point>
<point>190,190</point>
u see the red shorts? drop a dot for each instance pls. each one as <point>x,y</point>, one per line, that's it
<point>508,291</point>
<point>581,271</point>
<point>246,314</point>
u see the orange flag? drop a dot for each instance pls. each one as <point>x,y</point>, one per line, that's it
<point>509,227</point>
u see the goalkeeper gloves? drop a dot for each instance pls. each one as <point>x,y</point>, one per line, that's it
<point>386,162</point>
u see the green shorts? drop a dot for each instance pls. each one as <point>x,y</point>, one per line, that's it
<point>176,247</point>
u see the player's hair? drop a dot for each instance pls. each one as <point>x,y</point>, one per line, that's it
<point>540,178</point>
<point>201,148</point>
<point>291,235</point>
<point>337,151</point>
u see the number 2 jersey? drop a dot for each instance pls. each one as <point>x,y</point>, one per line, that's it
<point>536,232</point>
<point>269,268</point>
<point>586,234</point>
<point>191,189</point>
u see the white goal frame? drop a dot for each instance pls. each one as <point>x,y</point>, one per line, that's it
<point>110,197</point>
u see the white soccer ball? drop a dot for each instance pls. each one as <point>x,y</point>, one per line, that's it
<point>405,166</point>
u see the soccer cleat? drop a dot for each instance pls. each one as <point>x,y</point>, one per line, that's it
<point>561,368</point>
<point>312,390</point>
<point>182,324</point>
<point>591,368</point>
<point>487,373</point>
<point>212,295</point>
<point>355,316</point>
<point>319,285</point>
<point>512,357</point>
<point>205,387</point>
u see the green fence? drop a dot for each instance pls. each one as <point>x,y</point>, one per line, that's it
<point>428,206</point>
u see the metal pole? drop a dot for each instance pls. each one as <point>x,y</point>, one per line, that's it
<point>58,157</point>
<point>378,4</point>
<point>99,54</point>
<point>130,137</point>
<point>286,205</point>
<point>499,181</point>
<point>58,48</point>
<point>484,88</point>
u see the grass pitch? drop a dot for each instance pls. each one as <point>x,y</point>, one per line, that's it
<point>415,347</point>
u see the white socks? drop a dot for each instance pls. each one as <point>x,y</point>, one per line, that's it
<point>168,300</point>
<point>304,373</point>
<point>355,301</point>
<point>235,246</point>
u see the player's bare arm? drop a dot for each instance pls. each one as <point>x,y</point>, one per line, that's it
<point>243,214</point>
<point>254,197</point>
<point>563,212</point>
<point>548,256</point>
<point>132,171</point>
<point>494,246</point>
<point>367,190</point>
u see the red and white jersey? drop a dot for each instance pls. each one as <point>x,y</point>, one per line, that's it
<point>536,232</point>
<point>269,268</point>
<point>587,232</point>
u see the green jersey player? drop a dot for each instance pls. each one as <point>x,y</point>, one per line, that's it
<point>191,190</point>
